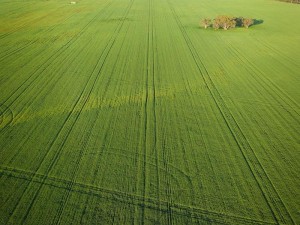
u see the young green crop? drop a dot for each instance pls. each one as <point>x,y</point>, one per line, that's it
<point>125,112</point>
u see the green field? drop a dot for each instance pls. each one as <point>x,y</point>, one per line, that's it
<point>126,112</point>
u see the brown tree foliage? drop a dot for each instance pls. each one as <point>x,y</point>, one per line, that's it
<point>225,22</point>
<point>206,22</point>
<point>247,22</point>
<point>216,26</point>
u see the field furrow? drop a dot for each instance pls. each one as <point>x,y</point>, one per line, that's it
<point>141,201</point>
<point>280,212</point>
<point>131,112</point>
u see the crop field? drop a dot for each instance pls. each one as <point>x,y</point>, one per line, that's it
<point>128,112</point>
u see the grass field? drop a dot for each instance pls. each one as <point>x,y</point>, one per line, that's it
<point>126,112</point>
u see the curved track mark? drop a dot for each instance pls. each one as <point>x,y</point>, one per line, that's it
<point>269,192</point>
<point>131,199</point>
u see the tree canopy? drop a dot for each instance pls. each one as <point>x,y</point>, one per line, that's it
<point>226,22</point>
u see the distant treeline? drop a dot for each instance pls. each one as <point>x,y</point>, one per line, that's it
<point>291,1</point>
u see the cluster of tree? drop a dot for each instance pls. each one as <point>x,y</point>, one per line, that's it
<point>292,1</point>
<point>226,22</point>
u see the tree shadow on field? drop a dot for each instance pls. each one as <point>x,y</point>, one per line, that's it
<point>257,22</point>
<point>238,20</point>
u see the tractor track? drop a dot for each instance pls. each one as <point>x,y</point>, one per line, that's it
<point>280,212</point>
<point>30,101</point>
<point>128,198</point>
<point>39,71</point>
<point>6,116</point>
<point>82,102</point>
<point>291,103</point>
<point>26,24</point>
<point>71,119</point>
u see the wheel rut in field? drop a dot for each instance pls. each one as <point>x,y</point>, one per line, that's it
<point>279,211</point>
<point>139,201</point>
<point>282,98</point>
<point>57,219</point>
<point>12,52</point>
<point>149,139</point>
<point>6,116</point>
<point>29,22</point>
<point>59,141</point>
<point>30,80</point>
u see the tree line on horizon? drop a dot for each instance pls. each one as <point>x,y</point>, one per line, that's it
<point>291,1</point>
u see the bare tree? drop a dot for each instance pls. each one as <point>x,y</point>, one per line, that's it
<point>206,22</point>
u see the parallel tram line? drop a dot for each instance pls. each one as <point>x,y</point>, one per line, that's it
<point>283,100</point>
<point>153,48</point>
<point>186,162</point>
<point>65,198</point>
<point>146,126</point>
<point>10,52</point>
<point>291,103</point>
<point>17,10</point>
<point>111,117</point>
<point>110,80</point>
<point>96,172</point>
<point>32,21</point>
<point>84,100</point>
<point>73,116</point>
<point>54,55</point>
<point>39,71</point>
<point>6,116</point>
<point>259,77</point>
<point>31,100</point>
<point>150,139</point>
<point>273,49</point>
<point>2,36</point>
<point>279,211</point>
<point>128,198</point>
